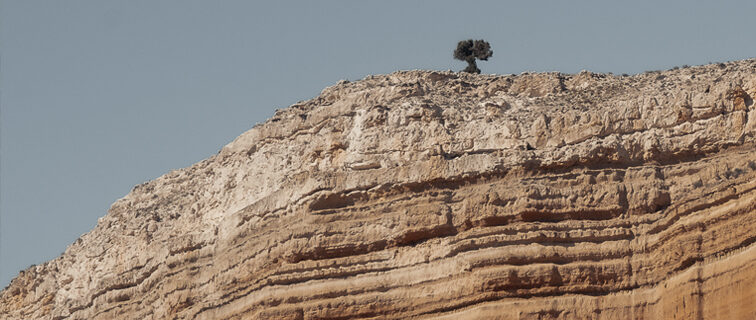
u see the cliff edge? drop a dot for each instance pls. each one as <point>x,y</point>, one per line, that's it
<point>442,195</point>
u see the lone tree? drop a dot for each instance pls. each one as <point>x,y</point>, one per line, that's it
<point>469,50</point>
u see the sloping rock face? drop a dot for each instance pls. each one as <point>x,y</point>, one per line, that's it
<point>440,195</point>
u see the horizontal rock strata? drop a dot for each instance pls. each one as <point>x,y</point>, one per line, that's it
<point>421,195</point>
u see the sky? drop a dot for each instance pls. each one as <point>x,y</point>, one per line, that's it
<point>97,96</point>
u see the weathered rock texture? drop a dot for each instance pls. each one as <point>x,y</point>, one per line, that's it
<point>440,195</point>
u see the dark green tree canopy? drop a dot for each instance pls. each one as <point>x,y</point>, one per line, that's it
<point>469,50</point>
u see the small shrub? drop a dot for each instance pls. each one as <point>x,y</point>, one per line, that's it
<point>469,50</point>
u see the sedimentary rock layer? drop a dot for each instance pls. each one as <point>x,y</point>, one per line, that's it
<point>422,195</point>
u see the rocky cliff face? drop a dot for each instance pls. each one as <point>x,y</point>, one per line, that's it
<point>441,195</point>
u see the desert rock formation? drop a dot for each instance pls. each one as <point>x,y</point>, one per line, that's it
<point>420,195</point>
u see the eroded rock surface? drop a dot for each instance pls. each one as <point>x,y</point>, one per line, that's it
<point>421,195</point>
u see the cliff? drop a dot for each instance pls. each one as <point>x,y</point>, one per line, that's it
<point>441,195</point>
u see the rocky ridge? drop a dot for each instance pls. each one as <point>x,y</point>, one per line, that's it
<point>425,194</point>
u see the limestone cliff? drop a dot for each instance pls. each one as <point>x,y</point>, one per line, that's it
<point>441,195</point>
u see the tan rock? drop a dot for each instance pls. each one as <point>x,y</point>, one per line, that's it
<point>441,195</point>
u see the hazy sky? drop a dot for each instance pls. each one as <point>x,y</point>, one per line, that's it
<point>98,96</point>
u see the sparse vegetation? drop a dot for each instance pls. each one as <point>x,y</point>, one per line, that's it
<point>469,50</point>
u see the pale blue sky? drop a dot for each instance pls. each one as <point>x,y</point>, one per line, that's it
<point>98,96</point>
